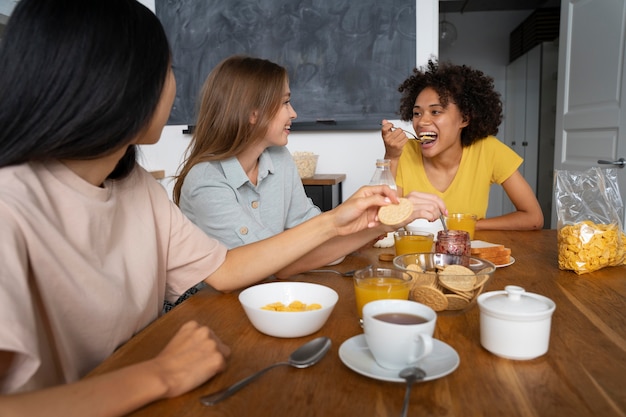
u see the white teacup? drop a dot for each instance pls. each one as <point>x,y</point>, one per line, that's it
<point>399,333</point>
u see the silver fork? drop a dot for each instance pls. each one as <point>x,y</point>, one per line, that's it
<point>334,271</point>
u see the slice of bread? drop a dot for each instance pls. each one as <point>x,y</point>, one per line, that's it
<point>493,252</point>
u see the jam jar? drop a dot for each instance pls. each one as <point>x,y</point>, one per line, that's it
<point>453,242</point>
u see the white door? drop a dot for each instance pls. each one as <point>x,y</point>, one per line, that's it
<point>591,107</point>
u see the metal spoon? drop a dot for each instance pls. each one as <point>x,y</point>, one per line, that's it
<point>443,223</point>
<point>412,135</point>
<point>411,374</point>
<point>334,271</point>
<point>306,355</point>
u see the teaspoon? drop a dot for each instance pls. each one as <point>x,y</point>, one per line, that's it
<point>411,374</point>
<point>306,355</point>
<point>443,223</point>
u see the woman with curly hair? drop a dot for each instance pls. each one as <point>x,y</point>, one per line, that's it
<point>458,110</point>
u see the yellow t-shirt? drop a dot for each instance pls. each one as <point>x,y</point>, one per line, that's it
<point>486,162</point>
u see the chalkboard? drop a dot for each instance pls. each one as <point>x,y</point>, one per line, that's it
<point>345,58</point>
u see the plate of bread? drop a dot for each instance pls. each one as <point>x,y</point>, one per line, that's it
<point>493,252</point>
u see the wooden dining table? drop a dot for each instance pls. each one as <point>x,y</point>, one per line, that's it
<point>582,374</point>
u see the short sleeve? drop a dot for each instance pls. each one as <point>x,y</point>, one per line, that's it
<point>18,329</point>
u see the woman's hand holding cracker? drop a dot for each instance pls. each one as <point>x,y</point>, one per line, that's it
<point>360,211</point>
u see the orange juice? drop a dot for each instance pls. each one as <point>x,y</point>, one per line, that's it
<point>412,242</point>
<point>377,288</point>
<point>459,221</point>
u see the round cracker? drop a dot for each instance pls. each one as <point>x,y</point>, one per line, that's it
<point>462,283</point>
<point>456,270</point>
<point>423,279</point>
<point>414,267</point>
<point>386,257</point>
<point>394,214</point>
<point>480,280</point>
<point>468,295</point>
<point>429,296</point>
<point>456,302</point>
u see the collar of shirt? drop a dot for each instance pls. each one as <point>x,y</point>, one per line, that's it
<point>235,174</point>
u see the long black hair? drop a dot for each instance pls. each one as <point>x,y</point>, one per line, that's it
<point>79,79</point>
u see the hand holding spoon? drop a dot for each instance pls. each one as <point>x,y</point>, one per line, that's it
<point>306,355</point>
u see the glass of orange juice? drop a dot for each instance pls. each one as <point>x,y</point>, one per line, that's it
<point>374,283</point>
<point>408,241</point>
<point>462,221</point>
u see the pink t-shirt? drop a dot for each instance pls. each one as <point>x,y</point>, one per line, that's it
<point>84,268</point>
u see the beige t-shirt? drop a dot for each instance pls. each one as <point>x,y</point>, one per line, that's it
<point>84,268</point>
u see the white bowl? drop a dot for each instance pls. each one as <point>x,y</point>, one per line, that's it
<point>336,261</point>
<point>423,225</point>
<point>287,323</point>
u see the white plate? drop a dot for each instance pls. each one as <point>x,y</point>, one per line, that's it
<point>355,355</point>
<point>511,262</point>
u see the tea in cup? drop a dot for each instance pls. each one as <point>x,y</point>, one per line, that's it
<point>407,241</point>
<point>462,221</point>
<point>399,333</point>
<point>373,283</point>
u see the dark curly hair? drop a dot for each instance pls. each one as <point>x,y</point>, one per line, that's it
<point>471,90</point>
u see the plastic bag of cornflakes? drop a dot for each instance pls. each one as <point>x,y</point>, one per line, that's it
<point>589,213</point>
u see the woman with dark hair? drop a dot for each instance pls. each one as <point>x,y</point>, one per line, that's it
<point>239,182</point>
<point>91,244</point>
<point>456,110</point>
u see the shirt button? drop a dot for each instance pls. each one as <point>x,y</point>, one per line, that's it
<point>255,204</point>
<point>243,230</point>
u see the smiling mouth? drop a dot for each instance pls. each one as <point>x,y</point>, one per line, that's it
<point>427,137</point>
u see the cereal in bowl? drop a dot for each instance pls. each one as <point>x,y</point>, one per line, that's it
<point>293,306</point>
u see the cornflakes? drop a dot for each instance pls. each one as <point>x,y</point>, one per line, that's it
<point>293,306</point>
<point>587,246</point>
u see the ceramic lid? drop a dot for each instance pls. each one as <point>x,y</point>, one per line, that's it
<point>515,303</point>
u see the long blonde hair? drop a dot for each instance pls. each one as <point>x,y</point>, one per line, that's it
<point>236,88</point>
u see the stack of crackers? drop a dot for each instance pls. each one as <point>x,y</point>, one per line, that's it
<point>492,252</point>
<point>451,287</point>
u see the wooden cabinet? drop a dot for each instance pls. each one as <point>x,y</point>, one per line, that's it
<point>325,190</point>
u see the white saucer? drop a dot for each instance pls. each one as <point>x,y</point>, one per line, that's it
<point>355,355</point>
<point>511,262</point>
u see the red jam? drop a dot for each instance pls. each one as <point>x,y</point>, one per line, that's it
<point>453,242</point>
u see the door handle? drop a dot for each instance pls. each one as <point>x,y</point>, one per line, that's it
<point>620,162</point>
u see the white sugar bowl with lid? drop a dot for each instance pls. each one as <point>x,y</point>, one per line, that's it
<point>515,324</point>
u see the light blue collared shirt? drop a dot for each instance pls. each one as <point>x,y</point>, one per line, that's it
<point>219,198</point>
